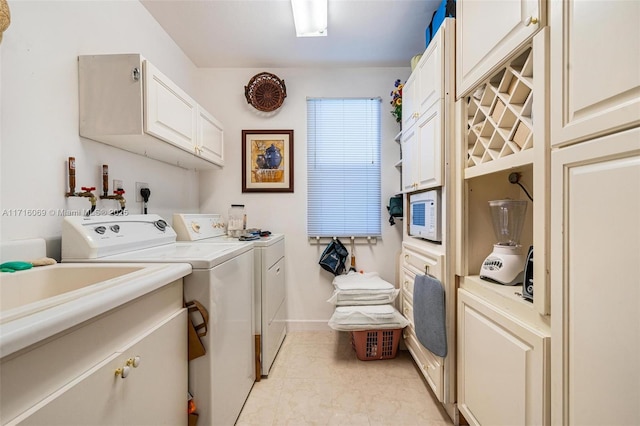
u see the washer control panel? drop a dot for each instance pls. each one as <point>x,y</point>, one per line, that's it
<point>98,236</point>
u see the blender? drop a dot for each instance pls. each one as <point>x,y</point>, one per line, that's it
<point>505,264</point>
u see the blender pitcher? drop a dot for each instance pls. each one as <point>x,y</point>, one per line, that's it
<point>505,264</point>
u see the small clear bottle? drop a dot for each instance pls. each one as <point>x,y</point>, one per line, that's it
<point>237,221</point>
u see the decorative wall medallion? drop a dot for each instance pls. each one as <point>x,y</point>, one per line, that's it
<point>265,92</point>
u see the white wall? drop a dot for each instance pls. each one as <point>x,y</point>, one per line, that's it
<point>222,93</point>
<point>39,84</point>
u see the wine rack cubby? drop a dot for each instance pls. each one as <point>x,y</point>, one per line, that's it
<point>500,121</point>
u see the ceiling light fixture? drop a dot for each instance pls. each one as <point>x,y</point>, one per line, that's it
<point>310,17</point>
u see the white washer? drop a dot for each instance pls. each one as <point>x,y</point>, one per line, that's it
<point>222,280</point>
<point>270,292</point>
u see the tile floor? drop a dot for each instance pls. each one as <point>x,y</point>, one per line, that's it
<point>317,380</point>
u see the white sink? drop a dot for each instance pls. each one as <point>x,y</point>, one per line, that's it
<point>37,303</point>
<point>38,284</point>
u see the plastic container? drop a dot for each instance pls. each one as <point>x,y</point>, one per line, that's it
<point>371,345</point>
<point>237,220</point>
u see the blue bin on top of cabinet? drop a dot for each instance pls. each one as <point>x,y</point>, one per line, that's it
<point>447,9</point>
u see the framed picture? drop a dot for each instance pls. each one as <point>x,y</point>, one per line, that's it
<point>267,161</point>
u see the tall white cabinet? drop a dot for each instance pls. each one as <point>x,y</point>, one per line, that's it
<point>503,340</point>
<point>595,214</point>
<point>427,151</point>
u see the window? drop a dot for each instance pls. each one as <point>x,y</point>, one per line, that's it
<point>343,162</point>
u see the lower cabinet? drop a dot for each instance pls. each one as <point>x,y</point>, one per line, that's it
<point>431,366</point>
<point>503,366</point>
<point>77,376</point>
<point>144,384</point>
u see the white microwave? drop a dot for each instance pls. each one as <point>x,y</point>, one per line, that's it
<point>424,215</point>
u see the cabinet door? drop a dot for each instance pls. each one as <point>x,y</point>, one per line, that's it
<point>409,153</point>
<point>502,367</point>
<point>409,102</point>
<point>595,77</point>
<point>430,73</point>
<point>595,265</point>
<point>430,142</point>
<point>154,393</point>
<point>210,138</point>
<point>91,399</point>
<point>170,114</point>
<point>487,32</point>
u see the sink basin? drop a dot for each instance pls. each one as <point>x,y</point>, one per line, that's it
<point>25,287</point>
<point>37,303</point>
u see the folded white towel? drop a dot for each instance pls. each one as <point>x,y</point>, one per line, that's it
<point>350,318</point>
<point>363,297</point>
<point>361,281</point>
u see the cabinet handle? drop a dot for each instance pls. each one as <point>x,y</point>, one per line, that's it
<point>406,285</point>
<point>135,74</point>
<point>134,362</point>
<point>530,20</point>
<point>406,257</point>
<point>123,372</point>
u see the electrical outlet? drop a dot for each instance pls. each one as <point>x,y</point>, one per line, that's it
<point>117,184</point>
<point>139,186</point>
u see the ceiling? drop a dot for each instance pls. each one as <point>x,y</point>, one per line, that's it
<point>261,33</point>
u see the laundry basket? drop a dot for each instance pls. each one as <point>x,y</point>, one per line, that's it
<point>372,345</point>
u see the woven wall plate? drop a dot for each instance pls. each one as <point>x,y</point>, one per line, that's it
<point>265,92</point>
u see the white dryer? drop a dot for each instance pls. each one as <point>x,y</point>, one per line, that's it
<point>270,285</point>
<point>222,279</point>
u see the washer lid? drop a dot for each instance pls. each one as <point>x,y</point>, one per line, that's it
<point>199,255</point>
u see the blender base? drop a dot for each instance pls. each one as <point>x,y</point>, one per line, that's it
<point>505,265</point>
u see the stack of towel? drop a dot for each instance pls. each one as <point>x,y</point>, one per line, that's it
<point>363,302</point>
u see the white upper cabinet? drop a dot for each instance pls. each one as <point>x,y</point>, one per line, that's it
<point>429,129</point>
<point>170,114</point>
<point>210,138</point>
<point>430,72</point>
<point>128,103</point>
<point>424,103</point>
<point>595,71</point>
<point>409,155</point>
<point>487,32</point>
<point>429,81</point>
<point>409,102</point>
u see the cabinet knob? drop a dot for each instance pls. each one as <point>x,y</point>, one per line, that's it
<point>134,362</point>
<point>123,372</point>
<point>530,20</point>
<point>406,257</point>
<point>135,74</point>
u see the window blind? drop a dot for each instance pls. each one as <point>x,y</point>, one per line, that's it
<point>343,162</point>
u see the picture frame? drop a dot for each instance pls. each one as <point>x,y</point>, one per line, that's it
<point>267,161</point>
